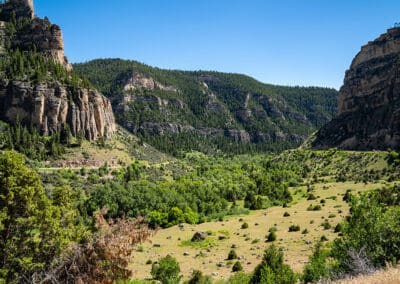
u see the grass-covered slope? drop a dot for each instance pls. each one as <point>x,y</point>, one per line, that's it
<point>321,183</point>
<point>208,111</point>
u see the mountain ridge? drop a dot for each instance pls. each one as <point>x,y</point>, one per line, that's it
<point>223,110</point>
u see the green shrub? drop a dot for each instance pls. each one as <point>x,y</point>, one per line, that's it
<point>166,270</point>
<point>272,229</point>
<point>338,228</point>
<point>272,269</point>
<point>317,267</point>
<point>198,278</point>
<point>239,278</point>
<point>305,231</point>
<point>326,225</point>
<point>311,197</point>
<point>286,214</point>
<point>245,225</point>
<point>271,237</point>
<point>323,238</point>
<point>232,255</point>
<point>237,267</point>
<point>373,228</point>
<point>314,208</point>
<point>294,228</point>
<point>34,229</point>
<point>347,196</point>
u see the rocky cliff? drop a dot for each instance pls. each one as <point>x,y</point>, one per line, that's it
<point>369,101</point>
<point>50,106</point>
<point>40,93</point>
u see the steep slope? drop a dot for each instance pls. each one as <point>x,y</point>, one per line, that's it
<point>177,110</point>
<point>37,85</point>
<point>369,101</point>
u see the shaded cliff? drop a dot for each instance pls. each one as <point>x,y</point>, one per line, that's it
<point>369,101</point>
<point>208,111</point>
<point>38,86</point>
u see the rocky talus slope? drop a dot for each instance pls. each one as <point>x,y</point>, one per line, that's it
<point>369,101</point>
<point>47,104</point>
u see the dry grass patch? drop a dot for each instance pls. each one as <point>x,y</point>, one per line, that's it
<point>212,260</point>
<point>389,276</point>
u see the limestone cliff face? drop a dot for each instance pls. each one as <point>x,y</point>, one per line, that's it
<point>137,90</point>
<point>369,101</point>
<point>49,105</point>
<point>46,37</point>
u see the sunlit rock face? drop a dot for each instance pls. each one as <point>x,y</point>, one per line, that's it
<point>369,101</point>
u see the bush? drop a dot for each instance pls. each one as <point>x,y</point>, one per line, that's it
<point>317,267</point>
<point>314,208</point>
<point>370,233</point>
<point>239,278</point>
<point>305,231</point>
<point>34,229</point>
<point>272,269</point>
<point>166,270</point>
<point>232,255</point>
<point>338,228</point>
<point>294,228</point>
<point>324,238</point>
<point>272,229</point>
<point>271,237</point>
<point>245,225</point>
<point>286,214</point>
<point>198,278</point>
<point>347,196</point>
<point>237,267</point>
<point>326,225</point>
<point>311,197</point>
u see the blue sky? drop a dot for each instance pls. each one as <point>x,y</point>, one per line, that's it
<point>287,42</point>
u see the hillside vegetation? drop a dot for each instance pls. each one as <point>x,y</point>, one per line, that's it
<point>243,203</point>
<point>179,111</point>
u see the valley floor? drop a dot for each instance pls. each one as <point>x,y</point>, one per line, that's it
<point>210,255</point>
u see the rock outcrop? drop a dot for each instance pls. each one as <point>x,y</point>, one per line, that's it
<point>369,101</point>
<point>49,105</point>
<point>18,8</point>
<point>46,37</point>
<point>137,81</point>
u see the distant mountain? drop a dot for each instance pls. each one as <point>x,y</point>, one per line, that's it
<point>369,101</point>
<point>208,111</point>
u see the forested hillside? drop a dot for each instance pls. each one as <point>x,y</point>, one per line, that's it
<point>208,111</point>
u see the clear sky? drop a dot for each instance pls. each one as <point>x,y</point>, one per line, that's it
<point>288,42</point>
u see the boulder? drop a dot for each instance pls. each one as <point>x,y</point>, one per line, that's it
<point>199,236</point>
